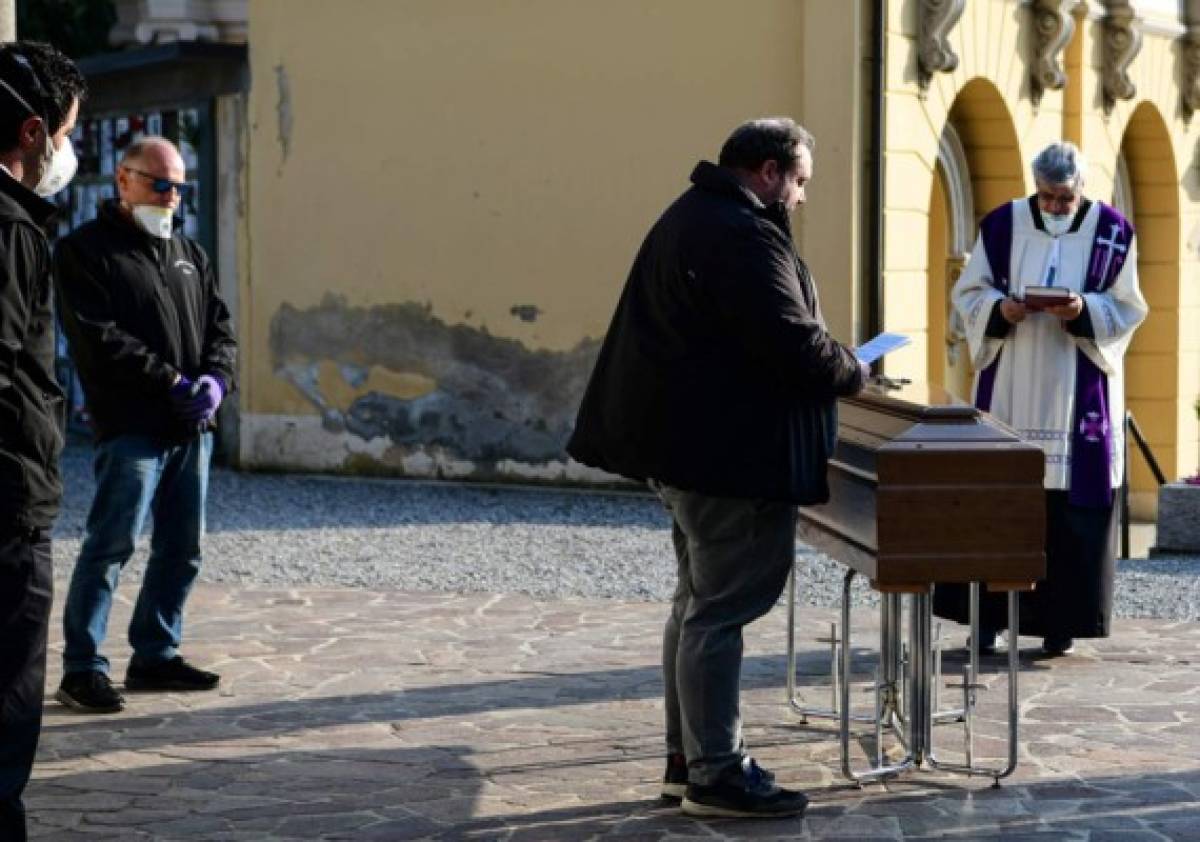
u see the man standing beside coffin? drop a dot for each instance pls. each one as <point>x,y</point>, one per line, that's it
<point>1054,371</point>
<point>717,383</point>
<point>154,347</point>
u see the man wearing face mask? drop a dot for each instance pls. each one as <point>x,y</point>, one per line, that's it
<point>1054,371</point>
<point>717,383</point>
<point>154,348</point>
<point>40,92</point>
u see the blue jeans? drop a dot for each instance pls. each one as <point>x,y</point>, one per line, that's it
<point>136,475</point>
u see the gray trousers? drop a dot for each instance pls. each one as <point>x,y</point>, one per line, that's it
<point>734,557</point>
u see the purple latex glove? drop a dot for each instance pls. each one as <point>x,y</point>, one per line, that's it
<point>180,392</point>
<point>202,400</point>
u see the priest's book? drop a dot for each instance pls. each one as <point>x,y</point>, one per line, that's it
<point>1040,297</point>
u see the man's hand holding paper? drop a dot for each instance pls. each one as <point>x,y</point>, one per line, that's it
<point>882,344</point>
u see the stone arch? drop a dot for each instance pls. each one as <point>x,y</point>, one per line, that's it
<point>1153,383</point>
<point>990,142</point>
<point>952,224</point>
<point>1122,194</point>
<point>978,167</point>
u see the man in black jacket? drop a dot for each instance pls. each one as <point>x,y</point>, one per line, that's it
<point>153,344</point>
<point>40,90</point>
<point>717,383</point>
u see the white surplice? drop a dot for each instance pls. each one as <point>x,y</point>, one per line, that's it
<point>1034,389</point>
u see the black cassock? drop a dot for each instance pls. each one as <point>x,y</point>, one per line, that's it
<point>1075,598</point>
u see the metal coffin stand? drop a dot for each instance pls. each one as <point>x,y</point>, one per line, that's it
<point>923,490</point>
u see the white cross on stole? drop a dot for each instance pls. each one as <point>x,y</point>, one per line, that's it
<point>1112,244</point>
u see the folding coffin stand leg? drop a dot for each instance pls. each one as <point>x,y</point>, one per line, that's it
<point>904,686</point>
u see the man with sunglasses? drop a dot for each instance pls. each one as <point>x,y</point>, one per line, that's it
<point>153,344</point>
<point>40,91</point>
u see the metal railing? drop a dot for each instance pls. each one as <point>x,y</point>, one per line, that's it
<point>1132,428</point>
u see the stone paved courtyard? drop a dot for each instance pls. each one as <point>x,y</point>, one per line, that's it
<point>350,714</point>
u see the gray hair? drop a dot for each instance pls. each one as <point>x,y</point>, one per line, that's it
<point>1060,163</point>
<point>755,142</point>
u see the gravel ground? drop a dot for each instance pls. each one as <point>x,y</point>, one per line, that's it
<point>285,530</point>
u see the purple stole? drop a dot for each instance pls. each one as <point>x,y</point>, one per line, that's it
<point>1091,426</point>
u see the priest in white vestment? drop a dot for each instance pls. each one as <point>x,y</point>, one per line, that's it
<point>1052,369</point>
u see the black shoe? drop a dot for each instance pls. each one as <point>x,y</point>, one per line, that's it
<point>748,792</point>
<point>175,674</point>
<point>90,692</point>
<point>675,779</point>
<point>1058,646</point>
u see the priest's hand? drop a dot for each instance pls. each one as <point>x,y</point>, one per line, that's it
<point>1069,311</point>
<point>1014,311</point>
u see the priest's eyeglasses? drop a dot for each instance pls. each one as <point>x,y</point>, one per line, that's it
<point>1056,199</point>
<point>163,185</point>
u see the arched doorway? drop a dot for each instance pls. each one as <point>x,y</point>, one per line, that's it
<point>951,233</point>
<point>978,167</point>
<point>1148,184</point>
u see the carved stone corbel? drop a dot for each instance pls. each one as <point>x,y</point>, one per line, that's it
<point>1122,42</point>
<point>1053,27</point>
<point>934,54</point>
<point>1191,58</point>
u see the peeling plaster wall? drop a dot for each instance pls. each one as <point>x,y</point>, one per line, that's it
<point>445,199</point>
<point>409,385</point>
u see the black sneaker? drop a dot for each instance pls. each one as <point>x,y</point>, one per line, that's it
<point>90,692</point>
<point>175,674</point>
<point>748,792</point>
<point>675,779</point>
<point>1056,647</point>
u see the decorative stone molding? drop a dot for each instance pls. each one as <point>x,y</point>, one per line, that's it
<point>934,53</point>
<point>1122,198</point>
<point>1053,26</point>
<point>141,22</point>
<point>952,158</point>
<point>1122,42</point>
<point>1190,82</point>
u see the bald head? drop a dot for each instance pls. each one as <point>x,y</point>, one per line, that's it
<point>147,162</point>
<point>152,151</point>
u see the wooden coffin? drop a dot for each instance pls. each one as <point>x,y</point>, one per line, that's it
<point>924,488</point>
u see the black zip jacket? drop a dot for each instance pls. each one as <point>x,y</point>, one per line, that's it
<point>717,374</point>
<point>31,402</point>
<point>138,311</point>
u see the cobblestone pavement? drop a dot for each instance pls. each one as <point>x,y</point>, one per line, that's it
<point>356,714</point>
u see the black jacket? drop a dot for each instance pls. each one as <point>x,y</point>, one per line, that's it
<point>31,402</point>
<point>717,374</point>
<point>137,311</point>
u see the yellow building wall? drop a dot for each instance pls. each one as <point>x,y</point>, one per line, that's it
<point>835,107</point>
<point>988,100</point>
<point>446,196</point>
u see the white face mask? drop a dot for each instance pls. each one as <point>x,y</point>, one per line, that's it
<point>1057,224</point>
<point>155,220</point>
<point>60,168</point>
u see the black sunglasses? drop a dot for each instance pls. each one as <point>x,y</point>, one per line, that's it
<point>164,185</point>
